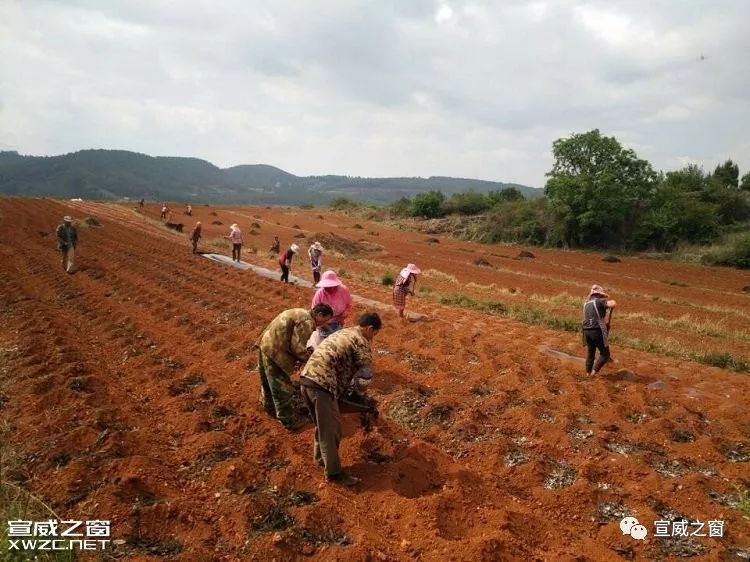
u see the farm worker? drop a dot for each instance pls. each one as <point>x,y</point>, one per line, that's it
<point>276,246</point>
<point>404,285</point>
<point>285,261</point>
<point>195,235</point>
<point>281,345</point>
<point>67,240</point>
<point>189,210</point>
<point>235,235</point>
<point>334,293</point>
<point>141,202</point>
<point>164,210</point>
<point>596,312</point>
<point>315,252</point>
<point>326,378</point>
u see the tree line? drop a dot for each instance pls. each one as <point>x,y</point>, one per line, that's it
<point>600,194</point>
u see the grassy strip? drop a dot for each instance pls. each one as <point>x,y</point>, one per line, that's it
<point>744,501</point>
<point>671,348</point>
<point>526,314</point>
<point>711,329</point>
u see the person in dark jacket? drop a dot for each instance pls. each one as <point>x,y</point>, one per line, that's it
<point>67,240</point>
<point>596,312</point>
<point>285,262</point>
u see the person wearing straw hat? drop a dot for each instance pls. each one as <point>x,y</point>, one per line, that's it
<point>235,235</point>
<point>315,252</point>
<point>67,240</point>
<point>285,261</point>
<point>404,285</point>
<point>596,312</point>
<point>334,293</point>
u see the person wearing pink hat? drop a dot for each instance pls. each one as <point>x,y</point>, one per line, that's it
<point>404,285</point>
<point>596,313</point>
<point>334,293</point>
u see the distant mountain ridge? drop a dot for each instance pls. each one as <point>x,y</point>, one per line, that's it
<point>116,174</point>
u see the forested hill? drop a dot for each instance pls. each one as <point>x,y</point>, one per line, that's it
<point>114,174</point>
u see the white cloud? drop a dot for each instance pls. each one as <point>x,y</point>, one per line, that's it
<point>444,14</point>
<point>471,88</point>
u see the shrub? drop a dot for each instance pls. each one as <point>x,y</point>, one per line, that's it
<point>401,207</point>
<point>734,253</point>
<point>468,203</point>
<point>343,203</point>
<point>428,205</point>
<point>387,279</point>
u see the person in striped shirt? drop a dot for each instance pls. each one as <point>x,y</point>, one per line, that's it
<point>404,285</point>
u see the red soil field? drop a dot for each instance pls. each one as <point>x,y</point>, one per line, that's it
<point>130,393</point>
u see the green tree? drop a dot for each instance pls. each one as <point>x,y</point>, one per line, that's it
<point>727,174</point>
<point>428,205</point>
<point>745,184</point>
<point>597,190</point>
<point>500,196</point>
<point>678,212</point>
<point>468,203</point>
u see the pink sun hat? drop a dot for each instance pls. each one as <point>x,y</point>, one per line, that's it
<point>329,279</point>
<point>409,270</point>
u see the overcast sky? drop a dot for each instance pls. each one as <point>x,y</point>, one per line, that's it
<point>475,89</point>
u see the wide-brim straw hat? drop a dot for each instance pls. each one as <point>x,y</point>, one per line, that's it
<point>597,290</point>
<point>329,279</point>
<point>294,248</point>
<point>233,226</point>
<point>67,218</point>
<point>410,269</point>
<point>317,246</point>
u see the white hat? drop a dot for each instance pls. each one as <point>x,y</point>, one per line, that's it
<point>294,248</point>
<point>67,218</point>
<point>317,246</point>
<point>233,226</point>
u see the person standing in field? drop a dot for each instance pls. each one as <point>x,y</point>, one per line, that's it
<point>189,210</point>
<point>141,202</point>
<point>195,236</point>
<point>334,293</point>
<point>281,345</point>
<point>327,377</point>
<point>285,262</point>
<point>67,240</point>
<point>315,252</point>
<point>596,313</point>
<point>235,236</point>
<point>164,211</point>
<point>403,286</point>
<point>275,246</point>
